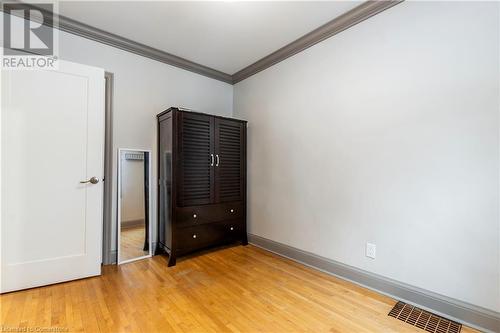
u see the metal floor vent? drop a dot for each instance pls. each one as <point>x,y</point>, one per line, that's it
<point>424,319</point>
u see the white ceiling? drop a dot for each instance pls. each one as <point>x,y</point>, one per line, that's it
<point>224,35</point>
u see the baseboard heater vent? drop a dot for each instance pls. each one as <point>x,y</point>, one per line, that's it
<point>423,319</point>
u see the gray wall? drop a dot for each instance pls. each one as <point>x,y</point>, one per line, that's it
<point>142,89</point>
<point>387,133</point>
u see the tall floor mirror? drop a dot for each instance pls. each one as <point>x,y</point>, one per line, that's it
<point>134,208</point>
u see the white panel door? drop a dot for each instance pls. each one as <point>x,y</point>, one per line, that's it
<point>52,132</point>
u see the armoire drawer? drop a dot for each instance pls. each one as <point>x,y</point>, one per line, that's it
<point>198,215</point>
<point>193,238</point>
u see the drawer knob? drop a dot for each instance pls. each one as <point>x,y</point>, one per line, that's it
<point>194,236</point>
<point>231,228</point>
<point>232,210</point>
<point>195,216</point>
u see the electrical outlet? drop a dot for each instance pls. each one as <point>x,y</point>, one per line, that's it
<point>371,250</point>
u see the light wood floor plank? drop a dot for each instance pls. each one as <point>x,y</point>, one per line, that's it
<point>132,243</point>
<point>232,289</point>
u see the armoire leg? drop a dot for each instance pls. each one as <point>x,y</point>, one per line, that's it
<point>244,241</point>
<point>171,259</point>
<point>158,250</point>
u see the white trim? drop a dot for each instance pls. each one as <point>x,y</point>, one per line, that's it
<point>118,198</point>
<point>135,259</point>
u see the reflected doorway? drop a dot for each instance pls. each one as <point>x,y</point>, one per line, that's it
<point>134,209</point>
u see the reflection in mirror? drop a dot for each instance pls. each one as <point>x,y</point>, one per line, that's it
<point>134,205</point>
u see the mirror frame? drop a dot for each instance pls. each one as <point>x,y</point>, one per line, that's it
<point>118,199</point>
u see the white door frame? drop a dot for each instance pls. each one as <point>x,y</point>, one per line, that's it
<point>118,220</point>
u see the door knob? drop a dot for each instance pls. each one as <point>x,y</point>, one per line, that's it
<point>93,180</point>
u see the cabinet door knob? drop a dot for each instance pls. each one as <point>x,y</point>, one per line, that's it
<point>232,210</point>
<point>194,236</point>
<point>195,216</point>
<point>231,228</point>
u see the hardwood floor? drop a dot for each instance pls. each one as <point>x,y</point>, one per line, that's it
<point>132,243</point>
<point>233,289</point>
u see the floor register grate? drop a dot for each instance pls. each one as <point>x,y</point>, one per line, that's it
<point>423,319</point>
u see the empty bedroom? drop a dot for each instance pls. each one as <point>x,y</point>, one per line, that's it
<point>250,166</point>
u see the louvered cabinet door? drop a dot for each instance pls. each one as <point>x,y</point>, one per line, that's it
<point>196,147</point>
<point>230,159</point>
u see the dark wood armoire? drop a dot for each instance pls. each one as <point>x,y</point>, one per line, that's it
<point>202,181</point>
